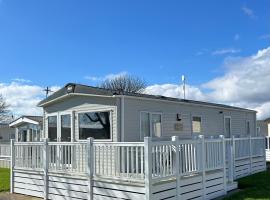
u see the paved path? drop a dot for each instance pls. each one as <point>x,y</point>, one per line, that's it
<point>8,196</point>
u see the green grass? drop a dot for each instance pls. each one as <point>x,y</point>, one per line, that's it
<point>4,179</point>
<point>256,186</point>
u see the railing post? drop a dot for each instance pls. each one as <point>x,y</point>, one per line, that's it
<point>264,154</point>
<point>224,162</point>
<point>90,167</point>
<point>203,165</point>
<point>250,155</point>
<point>45,168</point>
<point>175,139</point>
<point>12,164</point>
<point>233,157</point>
<point>148,167</point>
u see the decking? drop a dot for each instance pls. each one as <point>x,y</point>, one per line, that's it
<point>174,169</point>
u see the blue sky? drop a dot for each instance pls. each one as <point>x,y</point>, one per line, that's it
<point>55,42</point>
<point>222,46</point>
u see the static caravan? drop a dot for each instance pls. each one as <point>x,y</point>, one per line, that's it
<point>77,112</point>
<point>28,128</point>
<point>102,144</point>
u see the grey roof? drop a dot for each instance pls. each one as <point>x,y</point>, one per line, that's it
<point>85,89</point>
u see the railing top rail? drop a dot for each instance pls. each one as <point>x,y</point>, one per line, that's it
<point>28,143</point>
<point>119,144</point>
<point>213,140</point>
<point>66,143</point>
<point>158,143</point>
<point>190,141</point>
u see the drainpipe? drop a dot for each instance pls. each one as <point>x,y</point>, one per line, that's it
<point>122,118</point>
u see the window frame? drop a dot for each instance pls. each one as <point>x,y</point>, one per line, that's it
<point>55,114</point>
<point>150,123</point>
<point>258,130</point>
<point>58,125</point>
<point>111,111</point>
<point>224,124</point>
<point>201,131</point>
<point>248,122</point>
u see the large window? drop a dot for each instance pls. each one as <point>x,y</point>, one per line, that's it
<point>94,124</point>
<point>196,124</point>
<point>66,128</point>
<point>52,128</point>
<point>150,124</point>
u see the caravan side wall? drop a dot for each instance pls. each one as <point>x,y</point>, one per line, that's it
<point>212,118</point>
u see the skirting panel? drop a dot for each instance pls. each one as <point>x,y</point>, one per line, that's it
<point>29,183</point>
<point>191,187</point>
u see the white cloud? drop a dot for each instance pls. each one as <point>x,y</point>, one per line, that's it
<point>236,37</point>
<point>173,90</point>
<point>264,37</point>
<point>245,83</point>
<point>202,52</point>
<point>23,98</point>
<point>226,51</point>
<point>21,80</point>
<point>108,76</point>
<point>249,12</point>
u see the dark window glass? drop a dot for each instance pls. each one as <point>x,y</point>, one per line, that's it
<point>52,128</point>
<point>94,124</point>
<point>65,128</point>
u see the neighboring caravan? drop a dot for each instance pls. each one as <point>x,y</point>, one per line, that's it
<point>77,112</point>
<point>263,127</point>
<point>28,128</point>
<point>6,132</point>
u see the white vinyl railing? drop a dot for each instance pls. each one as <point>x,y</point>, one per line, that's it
<point>214,154</point>
<point>4,150</point>
<point>136,161</point>
<point>119,160</point>
<point>162,158</point>
<point>67,157</point>
<point>190,158</point>
<point>28,155</point>
<point>267,143</point>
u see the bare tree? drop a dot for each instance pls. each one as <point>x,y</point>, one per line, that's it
<point>124,83</point>
<point>3,108</point>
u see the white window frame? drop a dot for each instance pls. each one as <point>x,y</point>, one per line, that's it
<point>227,117</point>
<point>248,121</point>
<point>71,123</point>
<point>150,124</point>
<point>55,114</point>
<point>58,121</point>
<point>191,120</point>
<point>111,111</point>
<point>258,131</point>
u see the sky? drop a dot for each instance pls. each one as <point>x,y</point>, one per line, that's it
<point>222,47</point>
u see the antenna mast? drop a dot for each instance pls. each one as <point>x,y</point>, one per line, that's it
<point>184,85</point>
